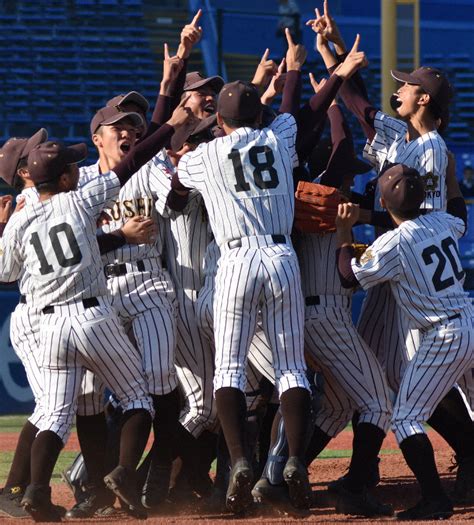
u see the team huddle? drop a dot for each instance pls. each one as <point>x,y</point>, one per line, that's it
<point>171,275</point>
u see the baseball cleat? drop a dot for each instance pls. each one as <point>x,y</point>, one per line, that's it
<point>93,505</point>
<point>464,484</point>
<point>10,502</point>
<point>264,492</point>
<point>121,481</point>
<point>296,477</point>
<point>156,487</point>
<point>372,482</point>
<point>239,496</point>
<point>360,504</point>
<point>37,503</point>
<point>439,509</point>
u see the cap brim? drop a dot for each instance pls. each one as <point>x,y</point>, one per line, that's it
<point>358,167</point>
<point>137,119</point>
<point>404,77</point>
<point>205,124</point>
<point>216,83</point>
<point>38,138</point>
<point>76,153</point>
<point>135,98</point>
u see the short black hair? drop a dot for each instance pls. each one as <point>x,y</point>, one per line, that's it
<point>406,214</point>
<point>18,183</point>
<point>246,123</point>
<point>50,186</point>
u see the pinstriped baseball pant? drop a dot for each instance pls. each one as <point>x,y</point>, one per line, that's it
<point>353,377</point>
<point>146,303</point>
<point>25,323</point>
<point>73,339</point>
<point>265,276</point>
<point>445,356</point>
<point>195,367</point>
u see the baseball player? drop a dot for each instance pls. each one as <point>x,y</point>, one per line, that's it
<point>333,343</point>
<point>141,290</point>
<point>420,260</point>
<point>70,293</point>
<point>24,334</point>
<point>422,106</point>
<point>258,262</point>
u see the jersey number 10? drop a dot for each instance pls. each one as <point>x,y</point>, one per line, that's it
<point>259,167</point>
<point>63,260</point>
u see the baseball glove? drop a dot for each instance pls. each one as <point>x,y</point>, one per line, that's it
<point>316,207</point>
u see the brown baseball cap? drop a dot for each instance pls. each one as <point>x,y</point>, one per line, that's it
<point>132,97</point>
<point>16,149</point>
<point>402,188</point>
<point>111,114</point>
<point>48,161</point>
<point>239,101</point>
<point>194,81</point>
<point>432,80</point>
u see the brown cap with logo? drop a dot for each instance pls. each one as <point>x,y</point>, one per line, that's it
<point>402,188</point>
<point>48,161</point>
<point>239,101</point>
<point>432,80</point>
<point>194,81</point>
<point>111,114</point>
<point>16,149</point>
<point>132,97</point>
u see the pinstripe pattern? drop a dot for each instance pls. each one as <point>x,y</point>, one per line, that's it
<point>397,257</point>
<point>253,212</point>
<point>145,300</point>
<point>92,339</point>
<point>248,278</point>
<point>427,154</point>
<point>445,355</point>
<point>79,210</point>
<point>354,379</point>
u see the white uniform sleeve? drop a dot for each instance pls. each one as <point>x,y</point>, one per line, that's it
<point>159,181</point>
<point>388,128</point>
<point>11,266</point>
<point>99,192</point>
<point>191,170</point>
<point>455,224</point>
<point>284,126</point>
<point>380,262</point>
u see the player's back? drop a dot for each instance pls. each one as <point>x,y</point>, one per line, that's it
<point>246,180</point>
<point>430,284</point>
<point>57,242</point>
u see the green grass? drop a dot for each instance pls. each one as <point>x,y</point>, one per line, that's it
<point>65,459</point>
<point>12,423</point>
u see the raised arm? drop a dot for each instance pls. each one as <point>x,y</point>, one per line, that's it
<point>174,74</point>
<point>145,150</point>
<point>295,58</point>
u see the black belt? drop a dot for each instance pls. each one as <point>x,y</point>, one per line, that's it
<point>454,316</point>
<point>23,299</point>
<point>118,269</point>
<point>276,238</point>
<point>87,303</point>
<point>315,300</point>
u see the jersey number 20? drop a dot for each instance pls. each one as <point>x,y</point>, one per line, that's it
<point>63,260</point>
<point>259,167</point>
<point>442,255</point>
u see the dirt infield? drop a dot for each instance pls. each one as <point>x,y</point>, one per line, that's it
<point>398,488</point>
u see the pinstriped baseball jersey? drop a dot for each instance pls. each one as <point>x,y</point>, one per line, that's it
<point>246,180</point>
<point>420,258</point>
<point>137,198</point>
<point>427,154</point>
<point>318,265</point>
<point>60,253</point>
<point>187,236</point>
